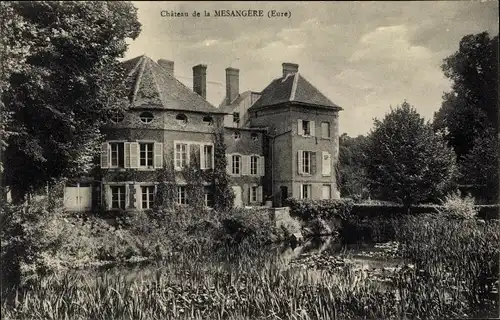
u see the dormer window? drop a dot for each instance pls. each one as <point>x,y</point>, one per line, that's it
<point>236,135</point>
<point>116,116</point>
<point>236,117</point>
<point>146,117</point>
<point>208,120</point>
<point>181,119</point>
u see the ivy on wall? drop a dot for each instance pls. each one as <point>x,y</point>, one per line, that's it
<point>223,193</point>
<point>167,188</point>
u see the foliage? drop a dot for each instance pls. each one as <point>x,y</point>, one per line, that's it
<point>167,189</point>
<point>63,73</point>
<point>408,162</point>
<point>480,165</point>
<point>454,206</point>
<point>195,182</point>
<point>223,193</point>
<point>306,209</point>
<point>250,225</point>
<point>352,173</point>
<point>471,107</point>
<point>461,256</point>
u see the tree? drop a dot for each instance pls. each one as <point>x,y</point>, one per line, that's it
<point>480,165</point>
<point>352,173</point>
<point>223,194</point>
<point>408,162</point>
<point>63,79</point>
<point>471,107</point>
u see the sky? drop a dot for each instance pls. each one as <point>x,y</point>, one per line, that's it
<point>364,56</point>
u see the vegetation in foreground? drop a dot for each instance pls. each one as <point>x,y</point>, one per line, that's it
<point>451,271</point>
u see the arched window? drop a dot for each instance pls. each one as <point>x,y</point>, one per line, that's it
<point>116,116</point>
<point>146,117</point>
<point>254,136</point>
<point>181,119</point>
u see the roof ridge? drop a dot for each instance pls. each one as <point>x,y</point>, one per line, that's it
<point>294,86</point>
<point>139,77</point>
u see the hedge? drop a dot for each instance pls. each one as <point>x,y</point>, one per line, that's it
<point>308,210</point>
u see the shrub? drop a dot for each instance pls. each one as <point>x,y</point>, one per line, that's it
<point>307,210</point>
<point>248,225</point>
<point>455,206</point>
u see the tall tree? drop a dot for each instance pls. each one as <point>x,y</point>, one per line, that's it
<point>470,108</point>
<point>352,173</point>
<point>63,78</point>
<point>408,162</point>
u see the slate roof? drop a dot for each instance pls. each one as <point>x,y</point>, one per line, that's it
<point>293,88</point>
<point>150,86</point>
<point>230,107</point>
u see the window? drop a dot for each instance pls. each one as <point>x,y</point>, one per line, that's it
<point>236,164</point>
<point>181,195</point>
<point>236,117</point>
<point>146,154</point>
<point>253,193</point>
<point>306,128</point>
<point>208,120</point>
<point>325,129</point>
<point>236,135</point>
<point>181,119</point>
<point>116,116</point>
<point>148,193</point>
<point>306,191</point>
<point>207,157</point>
<point>146,117</point>
<point>181,155</point>
<point>209,197</point>
<point>254,165</point>
<point>117,155</point>
<point>118,197</point>
<point>326,191</point>
<point>254,136</point>
<point>306,161</point>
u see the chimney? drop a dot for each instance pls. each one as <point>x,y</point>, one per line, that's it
<point>167,65</point>
<point>232,84</point>
<point>200,80</point>
<point>290,68</point>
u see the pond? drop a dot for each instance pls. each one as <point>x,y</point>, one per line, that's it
<point>315,256</point>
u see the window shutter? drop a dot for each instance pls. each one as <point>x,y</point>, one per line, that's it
<point>299,162</point>
<point>259,194</point>
<point>312,128</point>
<point>262,166</point>
<point>158,151</point>
<point>299,127</point>
<point>188,154</point>
<point>126,154</point>
<point>313,163</point>
<point>326,163</point>
<point>246,193</point>
<point>127,195</point>
<point>229,159</point>
<point>202,156</point>
<point>134,154</point>
<point>108,196</point>
<point>301,192</point>
<point>105,155</point>
<point>245,169</point>
<point>138,196</point>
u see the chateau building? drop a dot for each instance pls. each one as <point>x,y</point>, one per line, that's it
<point>281,142</point>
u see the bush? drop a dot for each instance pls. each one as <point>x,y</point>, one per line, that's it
<point>248,225</point>
<point>455,206</point>
<point>308,210</point>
